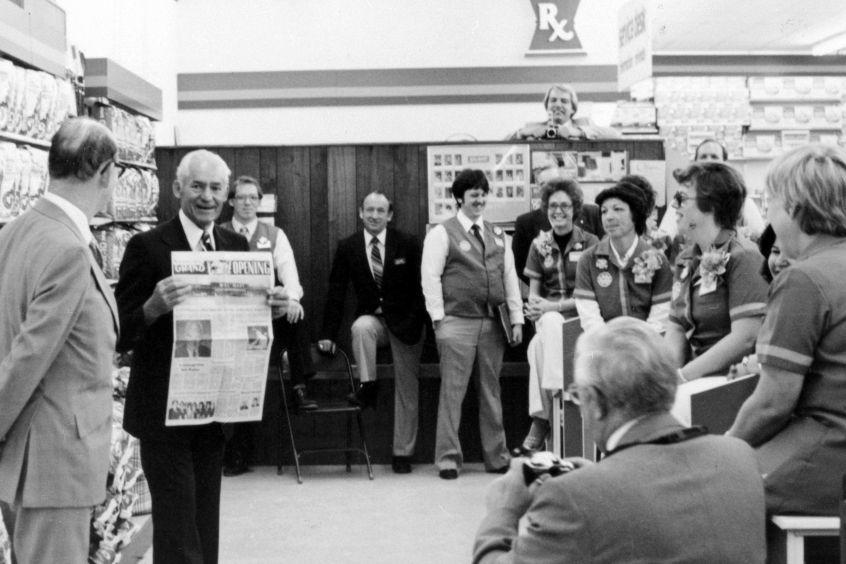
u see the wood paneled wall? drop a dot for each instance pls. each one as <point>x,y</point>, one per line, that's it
<point>318,190</point>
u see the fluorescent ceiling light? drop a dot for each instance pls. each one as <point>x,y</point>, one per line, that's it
<point>830,46</point>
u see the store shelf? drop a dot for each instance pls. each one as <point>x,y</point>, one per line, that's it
<point>101,221</point>
<point>794,99</point>
<point>790,127</point>
<point>137,164</point>
<point>16,138</point>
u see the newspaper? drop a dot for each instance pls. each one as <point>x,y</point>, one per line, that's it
<point>222,336</point>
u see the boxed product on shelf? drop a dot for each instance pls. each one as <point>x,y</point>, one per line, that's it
<point>770,144</point>
<point>112,240</point>
<point>33,103</point>
<point>134,133</point>
<point>23,178</point>
<point>776,88</point>
<point>796,116</point>
<point>136,195</point>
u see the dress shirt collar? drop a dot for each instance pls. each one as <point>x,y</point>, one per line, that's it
<point>381,237</point>
<point>192,232</point>
<point>619,433</point>
<point>251,227</point>
<point>74,213</point>
<point>467,223</point>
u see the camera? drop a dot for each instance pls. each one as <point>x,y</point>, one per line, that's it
<point>551,131</point>
<point>544,463</point>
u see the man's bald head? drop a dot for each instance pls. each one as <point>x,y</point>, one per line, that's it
<point>79,148</point>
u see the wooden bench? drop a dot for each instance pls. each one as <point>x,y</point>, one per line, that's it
<point>788,546</point>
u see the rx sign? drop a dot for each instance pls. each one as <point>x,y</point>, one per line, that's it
<point>554,31</point>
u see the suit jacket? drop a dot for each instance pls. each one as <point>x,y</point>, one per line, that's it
<point>58,325</point>
<point>145,262</point>
<point>401,298</point>
<point>700,500</point>
<point>528,225</point>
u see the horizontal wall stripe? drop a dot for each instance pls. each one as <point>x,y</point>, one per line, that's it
<point>391,86</point>
<point>391,91</point>
<point>609,96</point>
<point>395,77</point>
<point>747,65</point>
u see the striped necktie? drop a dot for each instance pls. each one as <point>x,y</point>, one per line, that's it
<point>206,242</point>
<point>376,262</point>
<point>95,250</point>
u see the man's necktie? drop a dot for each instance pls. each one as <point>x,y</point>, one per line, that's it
<point>478,235</point>
<point>95,250</point>
<point>206,242</point>
<point>245,232</point>
<point>376,262</point>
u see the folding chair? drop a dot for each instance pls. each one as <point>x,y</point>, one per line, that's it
<point>327,366</point>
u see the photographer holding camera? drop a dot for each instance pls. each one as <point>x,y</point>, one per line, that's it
<point>661,492</point>
<point>561,103</point>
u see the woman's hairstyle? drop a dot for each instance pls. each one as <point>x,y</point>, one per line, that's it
<point>811,181</point>
<point>636,199</point>
<point>765,246</point>
<point>569,187</point>
<point>720,190</point>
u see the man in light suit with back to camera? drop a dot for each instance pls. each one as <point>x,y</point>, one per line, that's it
<point>383,266</point>
<point>661,493</point>
<point>58,326</point>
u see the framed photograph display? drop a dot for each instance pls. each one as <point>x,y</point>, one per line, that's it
<point>507,168</point>
<point>595,170</point>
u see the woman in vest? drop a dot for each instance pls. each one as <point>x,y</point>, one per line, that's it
<point>719,295</point>
<point>623,274</point>
<point>551,270</point>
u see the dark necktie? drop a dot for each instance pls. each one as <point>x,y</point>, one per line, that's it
<point>245,232</point>
<point>478,235</point>
<point>376,262</point>
<point>206,242</point>
<point>95,250</point>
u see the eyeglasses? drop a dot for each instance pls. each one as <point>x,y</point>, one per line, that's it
<point>680,197</point>
<point>243,199</point>
<point>121,168</point>
<point>561,207</point>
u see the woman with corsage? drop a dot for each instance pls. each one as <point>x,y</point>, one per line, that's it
<point>719,296</point>
<point>551,270</point>
<point>623,274</point>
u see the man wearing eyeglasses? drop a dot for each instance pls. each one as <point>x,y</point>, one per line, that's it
<point>661,493</point>
<point>290,330</point>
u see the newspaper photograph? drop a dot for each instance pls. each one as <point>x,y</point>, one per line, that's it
<point>222,334</point>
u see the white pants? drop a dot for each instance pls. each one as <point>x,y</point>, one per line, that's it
<point>545,354</point>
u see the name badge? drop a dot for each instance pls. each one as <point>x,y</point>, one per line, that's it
<point>263,243</point>
<point>464,246</point>
<point>604,279</point>
<point>575,256</point>
<point>399,261</point>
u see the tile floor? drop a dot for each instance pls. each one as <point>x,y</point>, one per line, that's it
<point>345,518</point>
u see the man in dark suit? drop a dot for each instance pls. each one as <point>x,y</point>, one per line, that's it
<point>182,464</point>
<point>528,225</point>
<point>662,492</point>
<point>383,266</point>
<point>58,325</point>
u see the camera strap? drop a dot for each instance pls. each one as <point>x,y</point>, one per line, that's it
<point>675,437</point>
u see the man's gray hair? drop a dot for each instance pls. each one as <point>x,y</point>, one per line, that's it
<point>79,148</point>
<point>628,362</point>
<point>184,168</point>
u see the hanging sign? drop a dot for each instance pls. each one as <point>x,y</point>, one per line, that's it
<point>554,27</point>
<point>634,36</point>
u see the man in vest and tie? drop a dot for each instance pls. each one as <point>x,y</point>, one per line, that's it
<point>383,266</point>
<point>290,330</point>
<point>467,274</point>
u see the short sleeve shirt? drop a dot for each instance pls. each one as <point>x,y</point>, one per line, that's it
<point>617,290</point>
<point>556,269</point>
<point>804,330</point>
<point>740,292</point>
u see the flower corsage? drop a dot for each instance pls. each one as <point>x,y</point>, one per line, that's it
<point>712,265</point>
<point>646,265</point>
<point>544,246</point>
